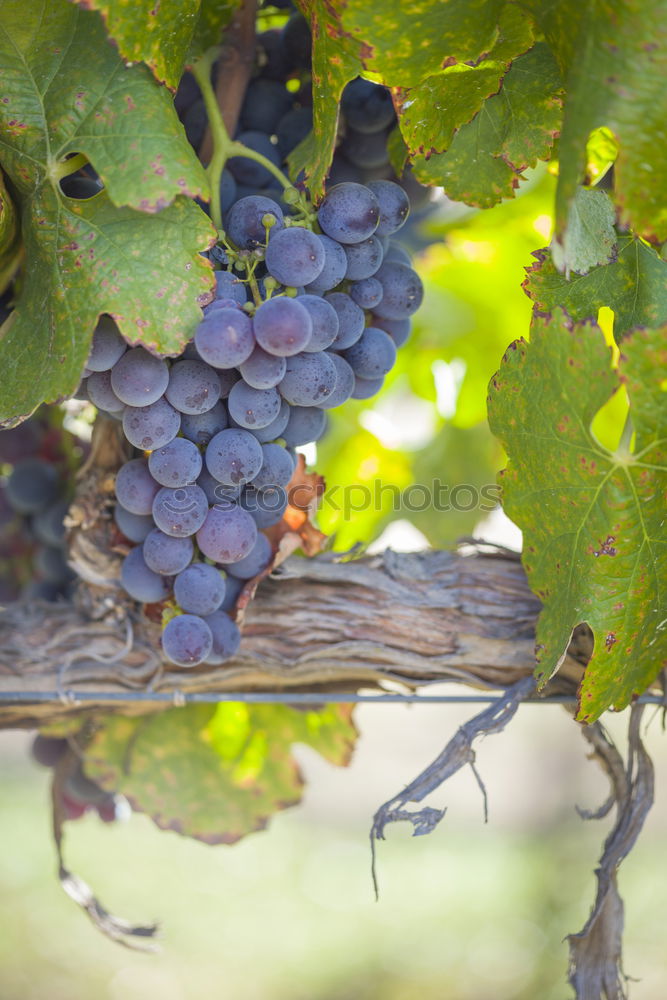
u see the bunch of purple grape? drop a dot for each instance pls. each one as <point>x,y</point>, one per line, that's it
<point>302,322</point>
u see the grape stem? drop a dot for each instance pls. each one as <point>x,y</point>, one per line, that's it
<point>70,166</point>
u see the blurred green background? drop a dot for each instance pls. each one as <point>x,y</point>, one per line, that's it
<point>471,912</point>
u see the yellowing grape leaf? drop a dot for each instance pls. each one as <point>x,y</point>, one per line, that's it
<point>215,772</point>
<point>595,547</point>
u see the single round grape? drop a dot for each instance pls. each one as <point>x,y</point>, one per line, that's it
<point>233,588</point>
<point>201,427</point>
<point>50,563</point>
<point>305,424</point>
<point>344,383</point>
<point>244,224</point>
<point>224,338</point>
<point>180,512</point>
<point>364,388</point>
<point>48,524</point>
<point>227,535</point>
<point>253,407</point>
<point>257,560</point>
<point>349,213</point>
<point>135,527</point>
<point>138,378</point>
<point>230,286</point>
<point>177,464</point>
<point>264,104</point>
<point>363,259</point>
<point>397,253</point>
<point>394,206</point>
<point>324,319</point>
<point>398,329</point>
<point>402,291</point>
<point>165,554</point>
<point>199,589</point>
<point>140,582</point>
<point>277,467</point>
<point>262,370</point>
<point>32,486</point>
<point>101,395</point>
<point>194,387</point>
<point>366,293</point>
<point>248,171</point>
<point>266,507</point>
<point>107,347</point>
<point>135,487</point>
<point>367,106</point>
<point>335,266</point>
<point>227,191</point>
<point>292,128</point>
<point>234,457</point>
<point>309,380</point>
<point>282,326</point>
<point>187,640</point>
<point>373,355</point>
<point>276,427</point>
<point>365,150</point>
<point>294,256</point>
<point>226,637</point>
<point>351,320</point>
<point>47,750</point>
<point>150,427</point>
<point>217,492</point>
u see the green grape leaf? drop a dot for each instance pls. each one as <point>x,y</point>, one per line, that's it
<point>513,130</point>
<point>430,112</point>
<point>590,238</point>
<point>89,257</point>
<point>10,237</point>
<point>163,36</point>
<point>215,773</point>
<point>614,61</point>
<point>634,285</point>
<point>405,43</point>
<point>335,63</point>
<point>120,118</point>
<point>593,520</point>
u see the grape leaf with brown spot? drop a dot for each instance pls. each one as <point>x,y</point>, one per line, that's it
<point>215,773</point>
<point>595,548</point>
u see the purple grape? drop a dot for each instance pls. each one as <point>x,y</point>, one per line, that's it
<point>363,259</point>
<point>366,293</point>
<point>201,427</point>
<point>262,370</point>
<point>227,191</point>
<point>138,378</point>
<point>180,512</point>
<point>257,560</point>
<point>226,637</point>
<point>244,223</point>
<point>248,171</point>
<point>199,589</point>
<point>216,492</point>
<point>234,457</point>
<point>277,467</point>
<point>229,286</point>
<point>292,128</point>
<point>193,387</point>
<point>227,535</point>
<point>187,640</point>
<point>276,427</point>
<point>344,383</point>
<point>135,527</point>
<point>364,388</point>
<point>309,380</point>
<point>397,253</point>
<point>266,507</point>
<point>349,213</point>
<point>50,563</point>
<point>351,320</point>
<point>402,291</point>
<point>282,326</point>
<point>398,329</point>
<point>252,408</point>
<point>264,104</point>
<point>324,319</point>
<point>335,265</point>
<point>107,348</point>
<point>367,106</point>
<point>101,395</point>
<point>32,486</point>
<point>177,464</point>
<point>365,150</point>
<point>165,554</point>
<point>294,256</point>
<point>305,424</point>
<point>140,582</point>
<point>135,487</point>
<point>48,524</point>
<point>150,427</point>
<point>394,206</point>
<point>373,355</point>
<point>233,588</point>
<point>224,338</point>
<point>47,750</point>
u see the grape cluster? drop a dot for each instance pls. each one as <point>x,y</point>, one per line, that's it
<point>35,486</point>
<point>79,793</point>
<point>310,308</point>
